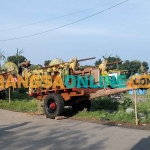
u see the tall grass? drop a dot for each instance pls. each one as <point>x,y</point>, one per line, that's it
<point>19,102</point>
<point>20,106</point>
<point>102,108</point>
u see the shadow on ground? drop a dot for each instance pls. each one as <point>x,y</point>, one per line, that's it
<point>27,136</point>
<point>143,144</point>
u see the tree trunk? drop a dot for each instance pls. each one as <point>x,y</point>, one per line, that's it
<point>104,92</point>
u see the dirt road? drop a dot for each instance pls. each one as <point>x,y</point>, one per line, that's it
<point>20,131</point>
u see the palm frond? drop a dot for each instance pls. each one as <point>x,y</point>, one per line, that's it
<point>104,57</point>
<point>21,51</point>
<point>110,56</point>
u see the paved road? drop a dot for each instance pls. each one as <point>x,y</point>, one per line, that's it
<point>20,131</point>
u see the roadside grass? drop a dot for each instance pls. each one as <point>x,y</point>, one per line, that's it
<point>144,107</point>
<point>119,116</point>
<point>20,106</point>
<point>18,96</point>
<point>144,111</point>
<point>103,109</point>
<point>19,102</point>
<point>138,95</point>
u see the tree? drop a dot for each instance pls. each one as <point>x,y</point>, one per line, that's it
<point>46,62</point>
<point>135,66</point>
<point>132,67</point>
<point>17,55</point>
<point>2,57</point>
<point>86,66</point>
<point>126,66</point>
<point>14,59</point>
<point>145,65</point>
<point>110,59</point>
<point>98,62</point>
<point>114,59</point>
<point>33,67</point>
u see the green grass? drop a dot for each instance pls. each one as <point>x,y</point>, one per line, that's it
<point>144,106</point>
<point>119,116</point>
<point>20,106</point>
<point>102,108</point>
<point>19,96</point>
<point>20,102</point>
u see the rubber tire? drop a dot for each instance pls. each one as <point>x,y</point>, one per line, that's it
<point>59,101</point>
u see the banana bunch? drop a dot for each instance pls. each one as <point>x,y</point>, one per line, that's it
<point>34,72</point>
<point>102,66</point>
<point>73,63</point>
<point>25,73</point>
<point>61,66</point>
<point>49,70</point>
<point>55,69</point>
<point>29,74</point>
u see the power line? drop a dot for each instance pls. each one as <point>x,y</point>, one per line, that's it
<point>66,24</point>
<point>57,17</point>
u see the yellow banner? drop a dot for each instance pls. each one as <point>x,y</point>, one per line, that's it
<point>139,81</point>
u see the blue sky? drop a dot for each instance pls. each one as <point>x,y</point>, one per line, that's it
<point>122,31</point>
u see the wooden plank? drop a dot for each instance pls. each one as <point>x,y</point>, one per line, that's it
<point>135,106</point>
<point>60,117</point>
<point>9,95</point>
<point>105,92</point>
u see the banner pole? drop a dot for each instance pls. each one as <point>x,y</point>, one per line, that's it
<point>135,105</point>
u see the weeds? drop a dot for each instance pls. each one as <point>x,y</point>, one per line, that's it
<point>105,108</point>
<point>116,110</point>
<point>20,102</point>
<point>20,106</point>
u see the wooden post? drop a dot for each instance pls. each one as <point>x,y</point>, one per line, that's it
<point>103,82</point>
<point>60,117</point>
<point>135,104</point>
<point>9,95</point>
<point>117,67</point>
<point>39,107</point>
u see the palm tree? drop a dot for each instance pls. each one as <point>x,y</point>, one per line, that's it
<point>2,57</point>
<point>18,54</point>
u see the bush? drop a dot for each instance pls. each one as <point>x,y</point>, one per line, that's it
<point>143,107</point>
<point>109,104</point>
<point>104,103</point>
<point>125,103</point>
<point>22,90</point>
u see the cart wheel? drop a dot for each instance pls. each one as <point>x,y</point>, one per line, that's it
<point>53,105</point>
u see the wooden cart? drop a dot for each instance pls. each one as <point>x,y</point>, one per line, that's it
<point>78,98</point>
